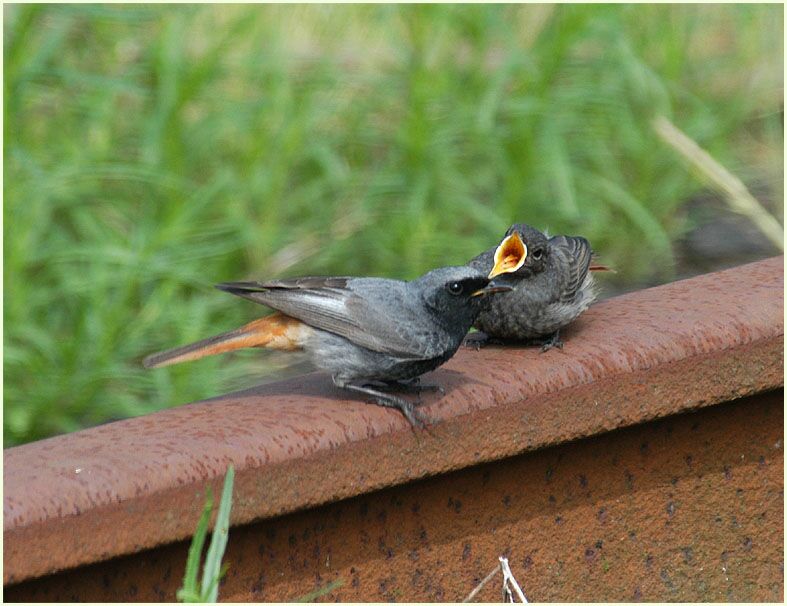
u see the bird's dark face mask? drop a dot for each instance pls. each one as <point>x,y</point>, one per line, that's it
<point>520,255</point>
<point>459,299</point>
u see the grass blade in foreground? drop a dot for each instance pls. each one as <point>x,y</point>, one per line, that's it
<point>218,542</point>
<point>212,571</point>
<point>189,592</point>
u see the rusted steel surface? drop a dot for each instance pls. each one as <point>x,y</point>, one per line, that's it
<point>136,484</point>
<point>687,508</point>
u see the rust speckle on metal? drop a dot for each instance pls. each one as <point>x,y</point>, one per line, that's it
<point>408,543</point>
<point>138,484</point>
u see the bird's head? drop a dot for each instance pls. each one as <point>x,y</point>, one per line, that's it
<point>522,252</point>
<point>454,293</point>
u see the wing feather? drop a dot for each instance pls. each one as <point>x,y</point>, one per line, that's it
<point>336,305</point>
<point>575,252</point>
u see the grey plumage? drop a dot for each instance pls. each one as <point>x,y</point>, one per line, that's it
<point>551,288</point>
<point>360,330</point>
<point>378,314</point>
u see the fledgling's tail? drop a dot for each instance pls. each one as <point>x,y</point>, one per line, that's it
<point>600,267</point>
<point>595,265</point>
<point>276,331</point>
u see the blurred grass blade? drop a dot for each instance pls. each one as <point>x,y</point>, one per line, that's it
<point>190,592</point>
<point>558,167</point>
<point>218,541</point>
<point>738,197</point>
<point>319,592</point>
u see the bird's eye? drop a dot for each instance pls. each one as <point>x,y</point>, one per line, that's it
<point>537,254</point>
<point>455,288</point>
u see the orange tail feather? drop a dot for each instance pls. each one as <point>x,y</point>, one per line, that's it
<point>599,267</point>
<point>276,331</point>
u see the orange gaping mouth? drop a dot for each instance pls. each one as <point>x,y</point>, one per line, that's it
<point>509,256</point>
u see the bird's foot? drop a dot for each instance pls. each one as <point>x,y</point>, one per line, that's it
<point>410,411</point>
<point>479,340</point>
<point>416,419</point>
<point>476,340</point>
<point>414,386</point>
<point>552,341</point>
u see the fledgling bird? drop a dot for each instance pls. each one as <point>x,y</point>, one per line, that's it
<point>551,281</point>
<point>368,333</point>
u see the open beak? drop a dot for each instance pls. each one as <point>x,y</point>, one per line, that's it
<point>491,289</point>
<point>509,256</point>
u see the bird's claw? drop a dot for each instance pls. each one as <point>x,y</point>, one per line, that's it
<point>552,341</point>
<point>407,409</point>
<point>416,419</point>
<point>435,387</point>
<point>476,340</point>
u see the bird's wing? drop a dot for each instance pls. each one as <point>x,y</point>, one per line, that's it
<point>573,254</point>
<point>372,313</point>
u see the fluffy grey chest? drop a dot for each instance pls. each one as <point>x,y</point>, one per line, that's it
<point>517,315</point>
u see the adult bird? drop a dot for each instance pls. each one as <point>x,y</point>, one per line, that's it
<point>370,334</point>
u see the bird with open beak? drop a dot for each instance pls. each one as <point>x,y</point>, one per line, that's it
<point>371,334</point>
<point>551,280</point>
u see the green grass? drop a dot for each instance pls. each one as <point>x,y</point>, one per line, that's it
<point>207,589</point>
<point>151,151</point>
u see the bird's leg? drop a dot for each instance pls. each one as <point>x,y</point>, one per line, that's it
<point>414,386</point>
<point>477,340</point>
<point>416,419</point>
<point>552,341</point>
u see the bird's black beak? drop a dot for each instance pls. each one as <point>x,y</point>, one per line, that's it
<point>492,288</point>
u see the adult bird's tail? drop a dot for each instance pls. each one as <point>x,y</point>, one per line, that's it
<point>276,331</point>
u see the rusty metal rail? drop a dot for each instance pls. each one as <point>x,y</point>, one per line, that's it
<point>683,507</point>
